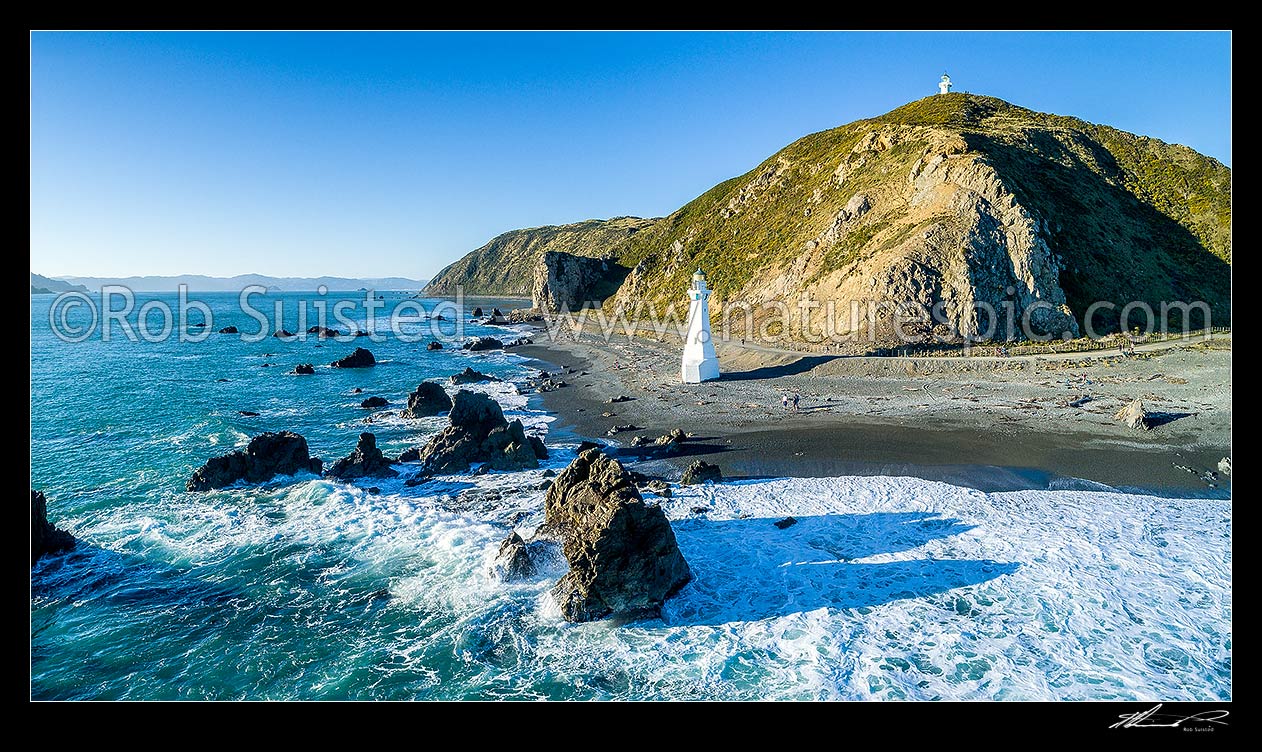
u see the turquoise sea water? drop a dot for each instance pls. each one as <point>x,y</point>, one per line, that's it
<point>271,592</point>
<point>887,588</point>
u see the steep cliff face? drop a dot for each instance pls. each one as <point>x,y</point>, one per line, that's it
<point>565,282</point>
<point>505,266</point>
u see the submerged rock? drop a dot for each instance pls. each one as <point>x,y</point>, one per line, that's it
<point>435,345</point>
<point>361,358</point>
<point>375,402</point>
<point>428,399</point>
<point>229,330</point>
<point>480,344</point>
<point>701,472</point>
<point>266,456</point>
<point>1134,416</point>
<point>323,332</point>
<point>470,376</point>
<point>283,333</point>
<point>45,538</point>
<point>786,523</point>
<point>624,560</point>
<point>477,312</point>
<point>477,432</point>
<point>303,369</point>
<point>366,461</point>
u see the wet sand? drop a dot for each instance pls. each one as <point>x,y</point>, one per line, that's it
<point>991,424</point>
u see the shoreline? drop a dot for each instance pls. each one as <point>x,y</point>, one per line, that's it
<point>978,425</point>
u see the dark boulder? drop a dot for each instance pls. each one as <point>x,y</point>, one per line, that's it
<point>477,432</point>
<point>323,332</point>
<point>303,369</point>
<point>623,557</point>
<point>266,456</point>
<point>247,413</point>
<point>480,344</point>
<point>701,472</point>
<point>435,345</point>
<point>470,376</point>
<point>428,399</point>
<point>366,461</point>
<point>477,312</point>
<point>229,330</point>
<point>787,522</point>
<point>513,561</point>
<point>362,333</point>
<point>536,444</point>
<point>283,333</point>
<point>361,358</point>
<point>375,402</point>
<point>583,446</point>
<point>619,398</point>
<point>46,539</point>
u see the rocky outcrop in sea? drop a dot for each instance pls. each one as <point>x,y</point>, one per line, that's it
<point>624,560</point>
<point>366,461</point>
<point>45,538</point>
<point>478,433</point>
<point>266,456</point>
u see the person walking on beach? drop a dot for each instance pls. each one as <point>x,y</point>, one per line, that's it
<point>796,398</point>
<point>784,401</point>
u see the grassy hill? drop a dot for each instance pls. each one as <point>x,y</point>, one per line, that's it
<point>505,265</point>
<point>952,200</point>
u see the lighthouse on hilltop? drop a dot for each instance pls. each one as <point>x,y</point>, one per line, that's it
<point>700,361</point>
<point>944,86</point>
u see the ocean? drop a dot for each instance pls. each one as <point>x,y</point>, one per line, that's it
<point>305,588</point>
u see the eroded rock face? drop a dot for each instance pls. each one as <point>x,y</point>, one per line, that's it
<point>477,432</point>
<point>428,399</point>
<point>45,538</point>
<point>266,456</point>
<point>361,358</point>
<point>366,461</point>
<point>563,281</point>
<point>624,560</point>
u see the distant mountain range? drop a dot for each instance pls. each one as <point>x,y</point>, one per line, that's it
<point>200,283</point>
<point>41,285</point>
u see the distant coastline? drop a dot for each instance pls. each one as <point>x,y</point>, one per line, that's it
<point>203,283</point>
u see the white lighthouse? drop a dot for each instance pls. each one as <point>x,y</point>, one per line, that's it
<point>944,86</point>
<point>700,362</point>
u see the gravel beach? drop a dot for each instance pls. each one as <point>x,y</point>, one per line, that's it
<point>989,423</point>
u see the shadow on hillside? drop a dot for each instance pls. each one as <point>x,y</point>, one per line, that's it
<point>1117,248</point>
<point>749,569</point>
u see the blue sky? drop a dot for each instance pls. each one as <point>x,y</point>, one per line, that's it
<point>394,154</point>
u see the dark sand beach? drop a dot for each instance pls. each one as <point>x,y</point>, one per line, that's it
<point>989,423</point>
